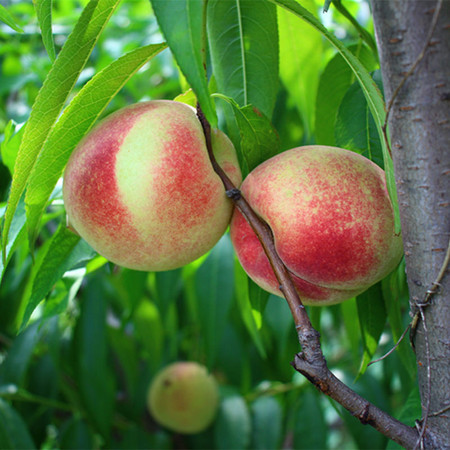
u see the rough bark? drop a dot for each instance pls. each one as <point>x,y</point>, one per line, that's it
<point>419,123</point>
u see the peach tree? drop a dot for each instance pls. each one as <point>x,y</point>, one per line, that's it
<point>130,245</point>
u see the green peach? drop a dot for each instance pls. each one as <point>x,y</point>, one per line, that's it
<point>140,188</point>
<point>183,397</point>
<point>331,218</point>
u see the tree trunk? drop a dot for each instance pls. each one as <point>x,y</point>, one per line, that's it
<point>419,124</point>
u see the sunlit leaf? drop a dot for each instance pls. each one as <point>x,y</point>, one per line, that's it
<point>181,22</point>
<point>244,51</point>
<point>334,82</point>
<point>301,54</point>
<point>65,251</point>
<point>44,14</point>
<point>16,236</point>
<point>53,94</point>
<point>75,122</point>
<point>9,20</point>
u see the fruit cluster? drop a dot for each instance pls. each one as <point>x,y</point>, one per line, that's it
<point>141,190</point>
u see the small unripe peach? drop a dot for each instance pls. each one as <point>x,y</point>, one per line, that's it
<point>141,190</point>
<point>331,219</point>
<point>183,397</point>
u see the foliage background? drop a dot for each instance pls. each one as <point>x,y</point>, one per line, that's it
<point>75,374</point>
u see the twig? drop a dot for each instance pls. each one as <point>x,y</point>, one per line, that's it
<point>441,411</point>
<point>310,362</point>
<point>392,349</point>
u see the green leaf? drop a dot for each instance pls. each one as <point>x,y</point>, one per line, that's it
<point>65,251</point>
<point>53,94</point>
<point>278,317</point>
<point>301,49</point>
<point>355,128</point>
<point>14,367</point>
<point>75,122</point>
<point>396,300</point>
<point>75,433</point>
<point>267,423</point>
<point>16,236</point>
<point>334,82</point>
<point>372,319</point>
<point>94,376</point>
<point>125,351</point>
<point>361,31</point>
<point>13,431</point>
<point>149,331</point>
<point>168,285</point>
<point>10,145</point>
<point>258,139</point>
<point>349,312</point>
<point>214,292</point>
<point>244,51</point>
<point>252,324</point>
<point>233,424</point>
<point>63,293</point>
<point>182,24</point>
<point>371,92</point>
<point>9,20</point>
<point>310,428</point>
<point>411,411</point>
<point>43,10</point>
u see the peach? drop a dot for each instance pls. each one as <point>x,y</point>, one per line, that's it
<point>141,190</point>
<point>331,219</point>
<point>183,397</point>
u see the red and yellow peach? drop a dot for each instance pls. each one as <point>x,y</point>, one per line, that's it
<point>141,190</point>
<point>331,219</point>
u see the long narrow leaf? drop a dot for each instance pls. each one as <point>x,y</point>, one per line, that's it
<point>301,55</point>
<point>371,92</point>
<point>44,14</point>
<point>74,123</point>
<point>9,20</point>
<point>244,51</point>
<point>182,24</point>
<point>64,252</point>
<point>53,94</point>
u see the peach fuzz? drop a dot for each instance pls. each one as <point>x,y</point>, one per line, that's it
<point>331,218</point>
<point>141,190</point>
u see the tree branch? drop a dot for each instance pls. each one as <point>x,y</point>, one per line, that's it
<point>310,362</point>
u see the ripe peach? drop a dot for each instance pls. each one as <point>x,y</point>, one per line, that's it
<point>141,190</point>
<point>183,397</point>
<point>331,218</point>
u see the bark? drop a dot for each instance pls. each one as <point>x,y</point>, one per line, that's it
<point>419,131</point>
